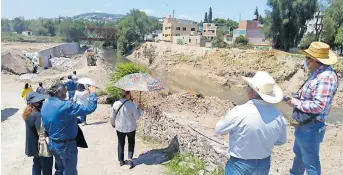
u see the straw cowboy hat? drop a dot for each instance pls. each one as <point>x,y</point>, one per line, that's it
<point>321,52</point>
<point>265,85</point>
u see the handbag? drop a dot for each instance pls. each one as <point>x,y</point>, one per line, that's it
<point>113,118</point>
<point>43,149</point>
<point>80,139</point>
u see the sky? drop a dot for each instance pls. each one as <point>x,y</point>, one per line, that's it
<point>185,9</point>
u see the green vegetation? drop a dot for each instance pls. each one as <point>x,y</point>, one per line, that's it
<point>218,41</point>
<point>182,57</point>
<point>13,37</point>
<point>120,70</point>
<point>285,22</point>
<point>187,164</point>
<point>230,24</point>
<point>241,40</point>
<point>180,41</point>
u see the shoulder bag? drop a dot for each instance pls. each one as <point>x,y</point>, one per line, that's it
<point>113,118</point>
<point>43,149</point>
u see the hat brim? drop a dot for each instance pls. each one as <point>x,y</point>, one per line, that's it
<point>38,97</point>
<point>276,98</point>
<point>332,59</point>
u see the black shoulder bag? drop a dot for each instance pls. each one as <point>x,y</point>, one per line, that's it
<point>113,119</point>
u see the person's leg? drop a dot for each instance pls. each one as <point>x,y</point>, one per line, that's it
<point>263,167</point>
<point>46,164</point>
<point>121,145</point>
<point>131,137</point>
<point>36,167</point>
<point>70,159</point>
<point>56,150</point>
<point>83,119</point>
<point>298,167</point>
<point>312,136</point>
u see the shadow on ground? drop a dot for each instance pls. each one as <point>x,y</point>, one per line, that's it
<point>158,156</point>
<point>98,123</point>
<point>8,112</point>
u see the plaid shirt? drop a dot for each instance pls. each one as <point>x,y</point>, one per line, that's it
<point>317,93</point>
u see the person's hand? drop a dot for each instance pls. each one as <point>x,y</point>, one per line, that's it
<point>289,102</point>
<point>92,89</point>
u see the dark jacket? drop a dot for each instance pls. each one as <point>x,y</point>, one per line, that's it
<point>32,123</point>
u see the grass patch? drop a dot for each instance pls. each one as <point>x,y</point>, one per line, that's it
<point>182,57</point>
<point>187,164</point>
<point>14,37</point>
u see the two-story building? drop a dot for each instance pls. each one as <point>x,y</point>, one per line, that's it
<point>253,30</point>
<point>173,27</point>
<point>209,30</point>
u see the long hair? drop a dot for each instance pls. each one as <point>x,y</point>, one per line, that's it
<point>27,111</point>
<point>26,85</point>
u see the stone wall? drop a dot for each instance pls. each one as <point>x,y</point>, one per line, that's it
<point>70,49</point>
<point>166,126</point>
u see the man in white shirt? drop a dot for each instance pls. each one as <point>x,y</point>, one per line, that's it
<point>254,127</point>
<point>124,116</point>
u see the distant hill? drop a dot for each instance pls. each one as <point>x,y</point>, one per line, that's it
<point>96,16</point>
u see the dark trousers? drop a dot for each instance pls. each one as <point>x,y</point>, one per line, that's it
<point>42,165</point>
<point>65,154</point>
<point>131,137</point>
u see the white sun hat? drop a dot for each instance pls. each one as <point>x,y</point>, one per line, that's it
<point>265,85</point>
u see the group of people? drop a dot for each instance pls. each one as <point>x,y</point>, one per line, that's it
<point>51,113</point>
<point>253,128</point>
<point>256,126</point>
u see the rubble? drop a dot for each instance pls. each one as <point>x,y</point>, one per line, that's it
<point>28,76</point>
<point>64,64</point>
<point>15,62</point>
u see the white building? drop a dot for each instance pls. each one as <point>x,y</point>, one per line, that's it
<point>311,24</point>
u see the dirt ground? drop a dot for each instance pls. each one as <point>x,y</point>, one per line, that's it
<point>99,158</point>
<point>226,66</point>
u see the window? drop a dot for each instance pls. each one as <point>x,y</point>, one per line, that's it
<point>192,29</point>
<point>190,40</point>
<point>184,28</point>
<point>212,31</point>
<point>163,34</point>
<point>177,35</point>
<point>204,30</point>
<point>166,28</point>
<point>263,40</point>
<point>178,28</point>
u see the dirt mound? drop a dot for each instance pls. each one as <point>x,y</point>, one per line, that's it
<point>15,63</point>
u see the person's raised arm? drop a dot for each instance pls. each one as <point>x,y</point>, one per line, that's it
<point>80,110</point>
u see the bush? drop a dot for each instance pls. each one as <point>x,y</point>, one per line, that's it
<point>120,70</point>
<point>179,41</point>
<point>307,40</point>
<point>242,40</point>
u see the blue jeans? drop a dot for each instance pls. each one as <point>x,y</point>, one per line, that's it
<point>306,149</point>
<point>71,95</point>
<point>235,166</point>
<point>42,165</point>
<point>65,154</point>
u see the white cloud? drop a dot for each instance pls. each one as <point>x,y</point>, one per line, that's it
<point>185,17</point>
<point>147,11</point>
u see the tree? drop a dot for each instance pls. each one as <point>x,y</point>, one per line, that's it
<point>307,40</point>
<point>241,40</point>
<point>218,40</point>
<point>210,15</point>
<point>286,23</point>
<point>231,24</point>
<point>5,25</point>
<point>205,19</point>
<point>18,24</point>
<point>260,18</point>
<point>256,14</point>
<point>219,22</point>
<point>328,30</point>
<point>339,38</point>
<point>42,31</point>
<point>50,26</point>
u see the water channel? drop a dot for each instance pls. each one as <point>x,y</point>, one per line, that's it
<point>178,82</point>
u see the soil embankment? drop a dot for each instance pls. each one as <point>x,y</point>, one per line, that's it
<point>226,66</point>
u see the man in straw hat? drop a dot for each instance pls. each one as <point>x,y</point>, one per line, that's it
<point>254,127</point>
<point>311,107</point>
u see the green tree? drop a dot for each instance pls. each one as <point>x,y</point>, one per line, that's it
<point>5,25</point>
<point>42,31</point>
<point>72,30</point>
<point>210,16</point>
<point>286,23</point>
<point>180,41</point>
<point>218,40</point>
<point>260,18</point>
<point>307,40</point>
<point>241,40</point>
<point>339,38</point>
<point>18,24</point>
<point>231,24</point>
<point>329,30</point>
<point>50,26</point>
<point>219,22</point>
<point>206,18</point>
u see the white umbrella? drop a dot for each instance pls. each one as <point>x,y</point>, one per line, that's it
<point>86,81</point>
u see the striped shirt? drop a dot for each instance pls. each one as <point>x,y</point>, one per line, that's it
<point>317,93</point>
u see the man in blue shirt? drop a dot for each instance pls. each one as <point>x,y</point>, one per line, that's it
<point>60,121</point>
<point>71,87</point>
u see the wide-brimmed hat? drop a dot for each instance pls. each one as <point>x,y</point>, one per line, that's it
<point>321,52</point>
<point>265,85</point>
<point>34,97</point>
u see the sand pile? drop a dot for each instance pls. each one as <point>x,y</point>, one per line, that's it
<point>15,62</point>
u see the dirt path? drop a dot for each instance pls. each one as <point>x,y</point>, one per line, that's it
<point>99,158</point>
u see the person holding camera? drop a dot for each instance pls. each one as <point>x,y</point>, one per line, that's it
<point>312,105</point>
